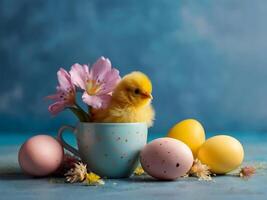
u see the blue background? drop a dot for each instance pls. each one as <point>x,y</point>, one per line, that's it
<point>206,59</point>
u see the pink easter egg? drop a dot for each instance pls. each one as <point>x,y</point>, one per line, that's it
<point>166,158</point>
<point>40,155</point>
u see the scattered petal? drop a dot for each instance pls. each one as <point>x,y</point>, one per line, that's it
<point>93,179</point>
<point>139,171</point>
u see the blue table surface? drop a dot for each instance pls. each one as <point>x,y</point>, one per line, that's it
<point>15,185</point>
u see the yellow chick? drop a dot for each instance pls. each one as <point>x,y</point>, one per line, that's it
<point>130,101</point>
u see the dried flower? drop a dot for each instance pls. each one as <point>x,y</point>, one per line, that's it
<point>200,170</point>
<point>260,166</point>
<point>247,172</point>
<point>185,176</point>
<point>93,179</point>
<point>77,173</point>
<point>139,171</point>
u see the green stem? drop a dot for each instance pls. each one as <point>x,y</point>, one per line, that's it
<point>80,113</point>
<point>87,115</point>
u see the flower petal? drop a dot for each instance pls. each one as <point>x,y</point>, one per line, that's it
<point>78,75</point>
<point>57,107</point>
<point>100,68</point>
<point>53,96</point>
<point>97,101</point>
<point>64,79</point>
<point>91,100</point>
<point>87,71</point>
<point>111,80</point>
<point>105,100</point>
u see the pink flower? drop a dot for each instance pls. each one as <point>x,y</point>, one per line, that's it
<point>97,82</point>
<point>65,96</point>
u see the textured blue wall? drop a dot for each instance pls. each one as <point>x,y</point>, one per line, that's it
<point>207,59</point>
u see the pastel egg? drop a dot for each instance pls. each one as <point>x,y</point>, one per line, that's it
<point>221,153</point>
<point>41,155</point>
<point>166,158</point>
<point>189,131</point>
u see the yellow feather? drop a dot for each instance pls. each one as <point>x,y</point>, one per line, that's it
<point>130,102</point>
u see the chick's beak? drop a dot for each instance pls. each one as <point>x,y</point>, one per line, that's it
<point>147,95</point>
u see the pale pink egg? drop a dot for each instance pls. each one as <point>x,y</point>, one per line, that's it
<point>41,155</point>
<point>166,158</point>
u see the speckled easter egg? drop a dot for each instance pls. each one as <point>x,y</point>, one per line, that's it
<point>166,158</point>
<point>189,131</point>
<point>41,155</point>
<point>222,153</point>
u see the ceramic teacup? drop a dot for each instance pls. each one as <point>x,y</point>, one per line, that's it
<point>110,150</point>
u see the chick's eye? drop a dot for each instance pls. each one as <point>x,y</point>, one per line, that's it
<point>137,91</point>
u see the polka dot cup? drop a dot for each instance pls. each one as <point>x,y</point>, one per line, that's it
<point>110,150</point>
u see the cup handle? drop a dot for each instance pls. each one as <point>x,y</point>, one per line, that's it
<point>64,143</point>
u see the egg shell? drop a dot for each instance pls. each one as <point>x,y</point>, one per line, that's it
<point>221,153</point>
<point>189,131</point>
<point>166,158</point>
<point>41,155</point>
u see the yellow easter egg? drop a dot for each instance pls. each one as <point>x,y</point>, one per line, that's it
<point>190,132</point>
<point>222,153</point>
